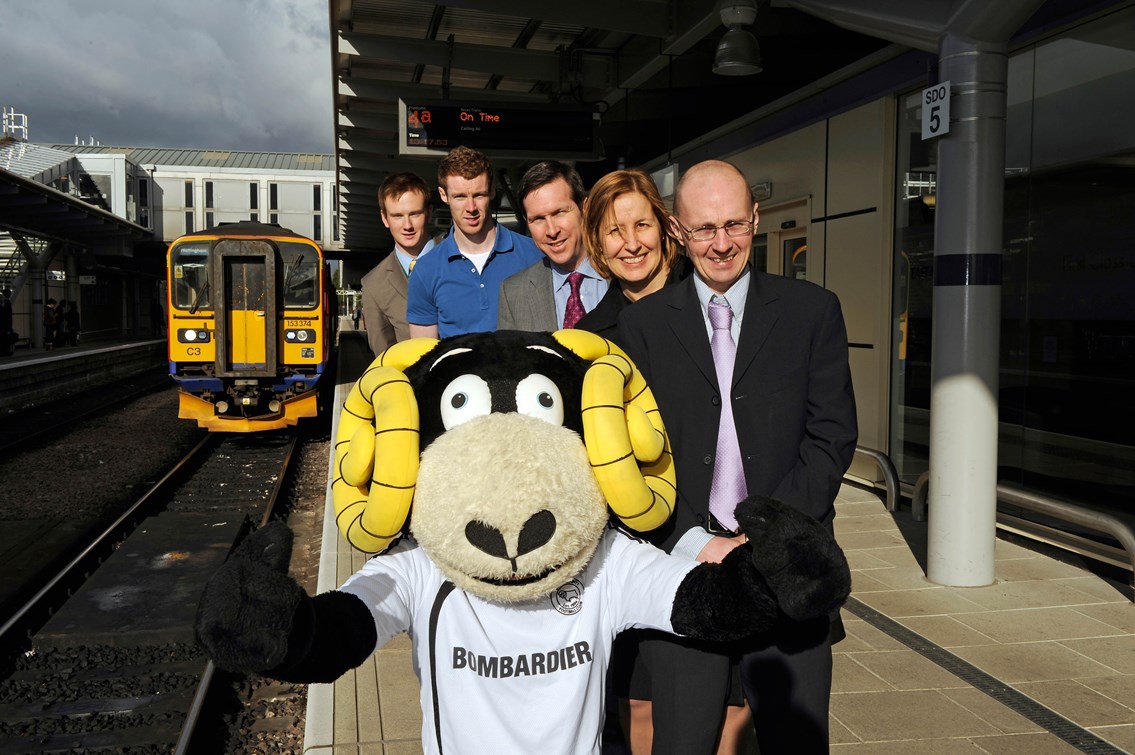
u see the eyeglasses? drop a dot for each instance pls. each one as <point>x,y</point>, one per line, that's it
<point>708,232</point>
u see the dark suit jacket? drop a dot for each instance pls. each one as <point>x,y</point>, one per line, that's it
<point>384,304</point>
<point>604,319</point>
<point>792,396</point>
<point>527,301</point>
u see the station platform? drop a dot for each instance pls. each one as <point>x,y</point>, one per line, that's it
<point>39,375</point>
<point>1040,662</point>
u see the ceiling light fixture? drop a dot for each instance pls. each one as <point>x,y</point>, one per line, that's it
<point>738,53</point>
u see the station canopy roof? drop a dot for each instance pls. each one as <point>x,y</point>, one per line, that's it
<point>522,81</point>
<point>31,208</point>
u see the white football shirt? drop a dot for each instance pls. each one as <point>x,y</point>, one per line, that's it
<point>519,678</point>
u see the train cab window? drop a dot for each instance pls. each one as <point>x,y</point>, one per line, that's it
<point>190,264</point>
<point>301,275</point>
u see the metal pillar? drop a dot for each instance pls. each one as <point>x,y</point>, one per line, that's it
<point>967,316</point>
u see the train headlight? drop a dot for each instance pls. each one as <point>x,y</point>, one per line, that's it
<point>299,336</point>
<point>193,335</point>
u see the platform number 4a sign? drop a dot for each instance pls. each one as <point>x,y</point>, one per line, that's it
<point>936,110</point>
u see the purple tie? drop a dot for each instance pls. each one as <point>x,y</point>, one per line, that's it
<point>728,488</point>
<point>574,310</point>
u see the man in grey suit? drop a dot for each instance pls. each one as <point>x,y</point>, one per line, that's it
<point>403,199</point>
<point>559,289</point>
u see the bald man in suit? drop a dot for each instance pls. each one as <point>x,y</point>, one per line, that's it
<point>794,428</point>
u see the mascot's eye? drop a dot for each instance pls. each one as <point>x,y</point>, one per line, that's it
<point>537,396</point>
<point>466,398</point>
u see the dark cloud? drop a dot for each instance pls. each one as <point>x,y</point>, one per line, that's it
<point>223,74</point>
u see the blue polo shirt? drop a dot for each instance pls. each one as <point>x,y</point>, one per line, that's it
<point>446,289</point>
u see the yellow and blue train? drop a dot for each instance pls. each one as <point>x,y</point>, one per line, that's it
<point>251,326</point>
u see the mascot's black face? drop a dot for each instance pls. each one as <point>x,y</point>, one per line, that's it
<point>471,376</point>
<point>506,504</point>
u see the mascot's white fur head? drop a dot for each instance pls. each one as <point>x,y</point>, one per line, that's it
<point>507,498</point>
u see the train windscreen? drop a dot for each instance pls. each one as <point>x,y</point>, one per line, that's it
<point>301,276</point>
<point>190,263</point>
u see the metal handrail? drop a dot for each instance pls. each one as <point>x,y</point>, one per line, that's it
<point>890,474</point>
<point>1064,510</point>
<point>918,497</point>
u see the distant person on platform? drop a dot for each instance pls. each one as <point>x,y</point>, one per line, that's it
<point>404,206</point>
<point>456,287</point>
<point>50,317</point>
<point>6,334</point>
<point>61,335</point>
<point>73,326</point>
<point>560,289</point>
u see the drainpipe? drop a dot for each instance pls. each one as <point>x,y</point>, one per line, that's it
<point>971,39</point>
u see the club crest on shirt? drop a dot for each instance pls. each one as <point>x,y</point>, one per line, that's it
<point>568,597</point>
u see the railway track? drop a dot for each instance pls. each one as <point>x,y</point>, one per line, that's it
<point>111,664</point>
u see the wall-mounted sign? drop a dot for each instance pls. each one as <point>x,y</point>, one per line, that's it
<point>87,280</point>
<point>936,110</point>
<point>433,128</point>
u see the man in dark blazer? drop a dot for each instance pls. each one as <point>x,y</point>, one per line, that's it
<point>539,297</point>
<point>794,416</point>
<point>403,200</point>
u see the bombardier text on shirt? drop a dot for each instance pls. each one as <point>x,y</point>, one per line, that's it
<point>530,664</point>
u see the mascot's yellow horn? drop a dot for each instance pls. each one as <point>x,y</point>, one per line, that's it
<point>379,420</point>
<point>621,428</point>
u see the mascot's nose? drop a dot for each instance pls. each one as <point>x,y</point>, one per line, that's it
<point>536,531</point>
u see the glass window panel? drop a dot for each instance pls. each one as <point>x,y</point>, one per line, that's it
<point>301,275</point>
<point>1068,330</point>
<point>190,275</point>
<point>913,293</point>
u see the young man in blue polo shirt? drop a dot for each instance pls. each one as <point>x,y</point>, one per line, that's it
<point>455,288</point>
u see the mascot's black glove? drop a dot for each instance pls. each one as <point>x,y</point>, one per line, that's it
<point>791,566</point>
<point>254,617</point>
<point>248,608</point>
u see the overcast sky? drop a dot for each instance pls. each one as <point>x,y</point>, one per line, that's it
<point>220,74</point>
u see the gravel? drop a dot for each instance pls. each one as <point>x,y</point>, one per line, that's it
<point>98,463</point>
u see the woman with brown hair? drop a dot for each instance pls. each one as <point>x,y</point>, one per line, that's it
<point>629,241</point>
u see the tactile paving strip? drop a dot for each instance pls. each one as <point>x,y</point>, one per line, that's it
<point>1046,718</point>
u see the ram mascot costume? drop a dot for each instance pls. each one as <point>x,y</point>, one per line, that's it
<point>498,474</point>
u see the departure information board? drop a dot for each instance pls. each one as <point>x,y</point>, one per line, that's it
<point>430,128</point>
